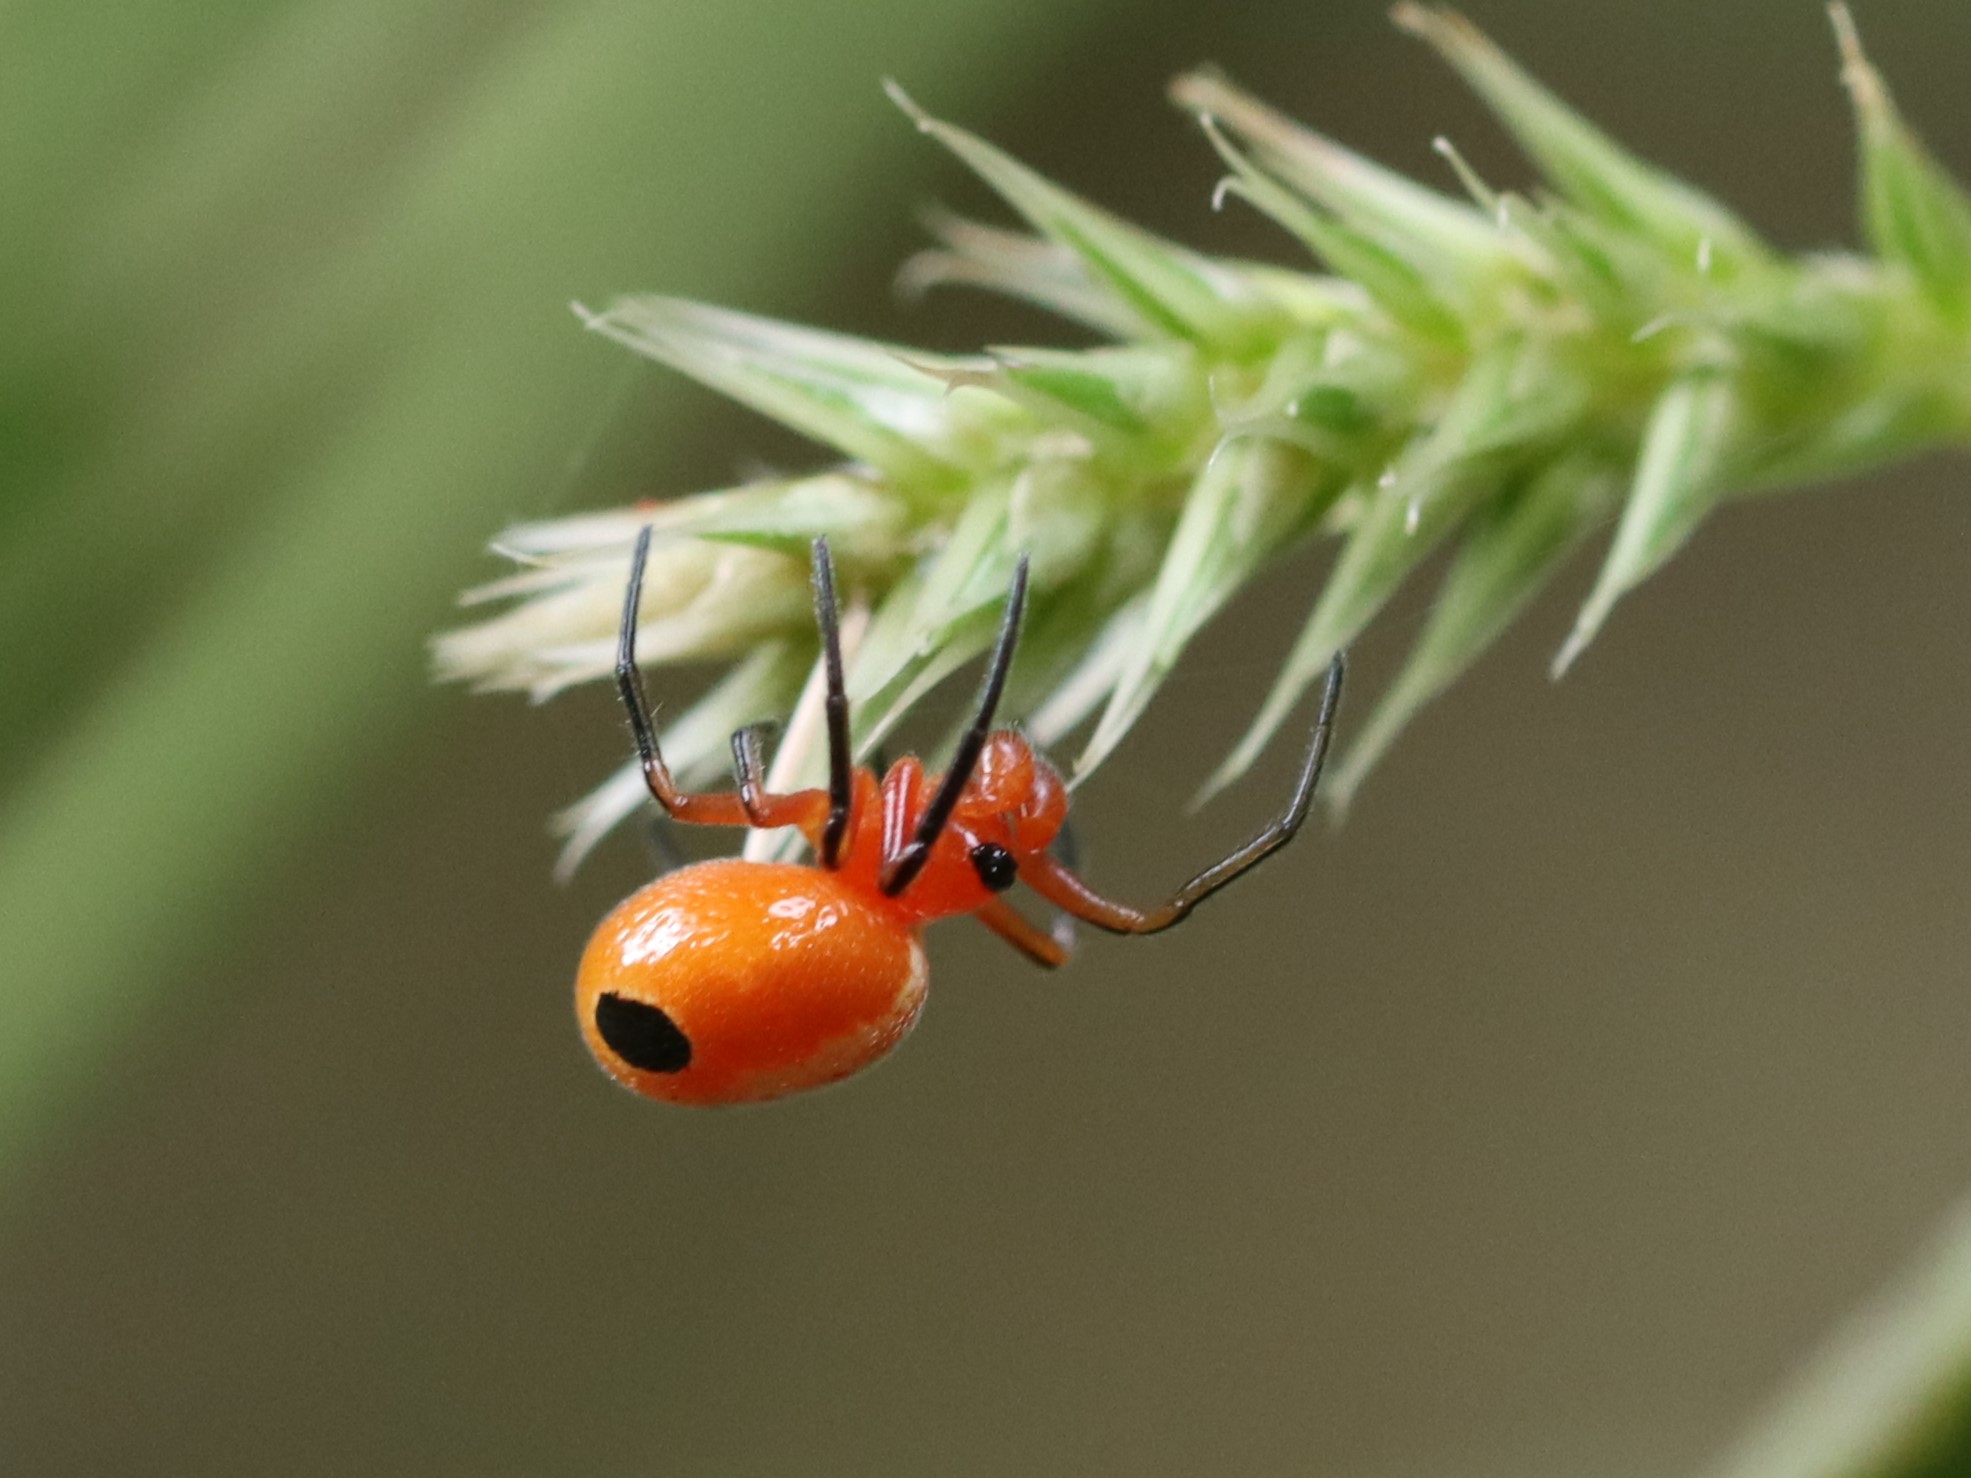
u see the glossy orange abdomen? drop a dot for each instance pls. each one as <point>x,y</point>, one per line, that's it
<point>733,981</point>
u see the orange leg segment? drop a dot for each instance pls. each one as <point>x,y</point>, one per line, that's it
<point>1046,950</point>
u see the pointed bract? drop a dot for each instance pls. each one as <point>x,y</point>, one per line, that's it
<point>1508,417</point>
<point>1686,458</point>
<point>1251,497</point>
<point>1514,547</point>
<point>1147,402</point>
<point>1170,290</point>
<point>1913,212</point>
<point>1585,164</point>
<point>1441,237</point>
<point>1399,286</point>
<point>863,399</point>
<point>1012,263</point>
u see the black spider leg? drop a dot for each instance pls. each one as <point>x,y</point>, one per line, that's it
<point>629,682</point>
<point>1281,831</point>
<point>910,861</point>
<point>841,760</point>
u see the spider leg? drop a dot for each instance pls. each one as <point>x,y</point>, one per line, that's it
<point>680,805</point>
<point>1049,951</point>
<point>765,809</point>
<point>904,867</point>
<point>841,759</point>
<point>1056,881</point>
<point>749,769</point>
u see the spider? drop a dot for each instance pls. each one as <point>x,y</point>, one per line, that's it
<point>732,981</point>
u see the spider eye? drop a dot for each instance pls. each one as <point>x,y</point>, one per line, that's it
<point>642,1035</point>
<point>995,866</point>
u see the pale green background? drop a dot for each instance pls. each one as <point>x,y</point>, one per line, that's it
<point>1535,1123</point>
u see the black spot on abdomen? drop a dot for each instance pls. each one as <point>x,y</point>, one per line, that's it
<point>642,1035</point>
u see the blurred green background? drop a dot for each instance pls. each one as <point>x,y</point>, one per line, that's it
<point>1535,1123</point>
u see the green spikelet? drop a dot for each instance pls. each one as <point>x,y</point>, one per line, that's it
<point>1499,376</point>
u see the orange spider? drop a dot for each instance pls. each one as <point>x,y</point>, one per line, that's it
<point>732,981</point>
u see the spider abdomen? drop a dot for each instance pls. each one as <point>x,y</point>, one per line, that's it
<point>734,982</point>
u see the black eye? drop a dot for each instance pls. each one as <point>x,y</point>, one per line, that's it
<point>641,1035</point>
<point>995,866</point>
